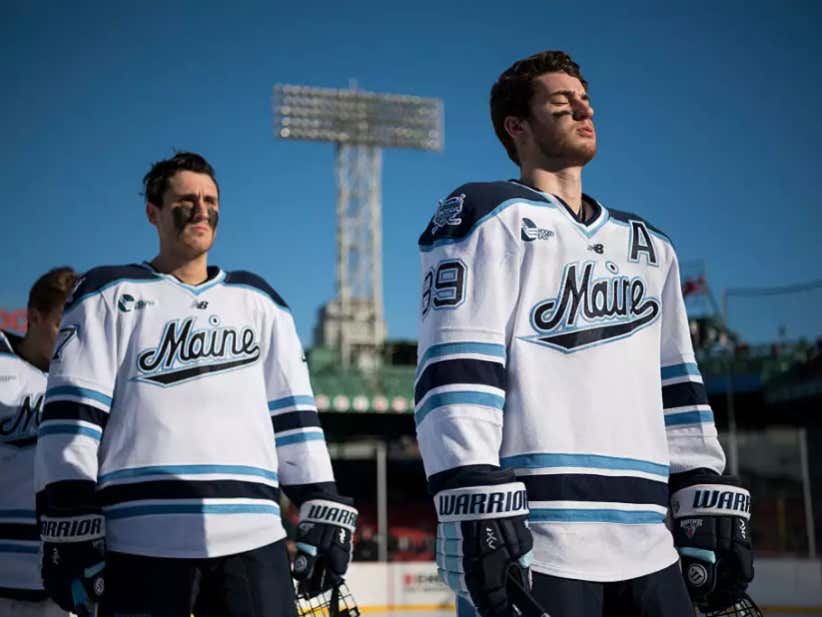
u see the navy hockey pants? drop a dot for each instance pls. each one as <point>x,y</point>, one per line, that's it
<point>256,583</point>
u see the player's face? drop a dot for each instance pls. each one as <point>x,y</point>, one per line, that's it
<point>187,220</point>
<point>47,325</point>
<point>560,130</point>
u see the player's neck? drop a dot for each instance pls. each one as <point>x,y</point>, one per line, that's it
<point>565,183</point>
<point>190,271</point>
<point>32,350</point>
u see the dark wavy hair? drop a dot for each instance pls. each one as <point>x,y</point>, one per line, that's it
<point>50,291</point>
<point>155,182</point>
<point>512,92</point>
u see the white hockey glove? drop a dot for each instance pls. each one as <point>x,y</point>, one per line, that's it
<point>324,543</point>
<point>482,539</point>
<point>711,532</point>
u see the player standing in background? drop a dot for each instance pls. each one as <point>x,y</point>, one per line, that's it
<point>557,392</point>
<point>177,406</point>
<point>24,363</point>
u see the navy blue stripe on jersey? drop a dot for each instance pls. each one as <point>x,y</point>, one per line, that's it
<point>97,279</point>
<point>18,531</point>
<point>186,489</point>
<point>69,410</point>
<point>473,203</point>
<point>23,442</point>
<point>242,278</point>
<point>75,496</point>
<point>194,371</point>
<point>295,419</point>
<point>460,371</point>
<point>589,487</point>
<point>684,393</point>
<point>626,217</point>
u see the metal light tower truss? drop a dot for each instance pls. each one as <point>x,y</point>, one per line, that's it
<point>360,123</point>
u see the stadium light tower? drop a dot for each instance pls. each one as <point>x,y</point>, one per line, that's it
<point>360,124</point>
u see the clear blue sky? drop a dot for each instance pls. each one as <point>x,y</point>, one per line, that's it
<point>707,116</point>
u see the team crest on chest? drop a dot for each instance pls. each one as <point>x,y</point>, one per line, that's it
<point>590,310</point>
<point>185,352</point>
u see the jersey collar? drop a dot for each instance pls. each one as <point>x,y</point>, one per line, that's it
<point>215,277</point>
<point>589,227</point>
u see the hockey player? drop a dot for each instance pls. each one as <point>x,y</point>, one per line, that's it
<point>24,362</point>
<point>177,406</point>
<point>558,402</point>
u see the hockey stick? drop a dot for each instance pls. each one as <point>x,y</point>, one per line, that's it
<point>521,598</point>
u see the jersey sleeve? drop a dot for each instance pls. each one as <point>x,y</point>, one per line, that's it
<point>689,420</point>
<point>470,282</point>
<point>301,449</point>
<point>79,395</point>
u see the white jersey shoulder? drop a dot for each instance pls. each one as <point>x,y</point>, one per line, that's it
<point>181,403</point>
<point>561,350</point>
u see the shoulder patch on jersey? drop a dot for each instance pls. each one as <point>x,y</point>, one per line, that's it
<point>459,213</point>
<point>96,279</point>
<point>249,279</point>
<point>624,217</point>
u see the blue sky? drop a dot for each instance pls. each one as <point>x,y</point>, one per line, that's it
<point>706,115</point>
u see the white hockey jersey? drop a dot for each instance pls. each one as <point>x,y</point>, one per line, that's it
<point>22,387</point>
<point>180,410</point>
<point>561,350</point>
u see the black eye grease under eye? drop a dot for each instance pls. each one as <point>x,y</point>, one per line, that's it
<point>183,215</point>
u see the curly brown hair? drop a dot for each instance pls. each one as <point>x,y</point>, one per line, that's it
<point>512,92</point>
<point>50,291</point>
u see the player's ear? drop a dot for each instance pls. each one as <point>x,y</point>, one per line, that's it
<point>514,126</point>
<point>151,213</point>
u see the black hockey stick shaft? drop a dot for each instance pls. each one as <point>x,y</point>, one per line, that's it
<point>521,598</point>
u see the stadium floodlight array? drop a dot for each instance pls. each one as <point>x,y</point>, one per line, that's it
<point>360,124</point>
<point>358,117</point>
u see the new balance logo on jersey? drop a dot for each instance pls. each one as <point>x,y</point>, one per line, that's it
<point>185,352</point>
<point>589,311</point>
<point>724,500</point>
<point>477,504</point>
<point>448,212</point>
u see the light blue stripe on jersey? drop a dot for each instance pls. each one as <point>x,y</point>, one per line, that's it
<point>448,349</point>
<point>597,461</point>
<point>680,370</point>
<point>30,514</point>
<point>182,470</point>
<point>69,429</point>
<point>191,508</point>
<point>484,399</point>
<point>298,438</point>
<point>570,515</point>
<point>688,417</point>
<point>33,549</point>
<point>291,401</point>
<point>79,392</point>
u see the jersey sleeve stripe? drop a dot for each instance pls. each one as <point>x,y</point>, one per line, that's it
<point>59,392</point>
<point>18,531</point>
<point>6,515</point>
<point>120,512</point>
<point>292,402</point>
<point>69,410</point>
<point>31,548</point>
<point>295,419</point>
<point>680,370</point>
<point>59,428</point>
<point>462,371</point>
<point>596,488</point>
<point>594,461</point>
<point>494,351</point>
<point>684,393</point>
<point>436,401</point>
<point>561,515</point>
<point>689,417</point>
<point>287,440</point>
<point>185,470</point>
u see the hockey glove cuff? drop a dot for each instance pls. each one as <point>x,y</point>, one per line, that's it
<point>73,560</point>
<point>324,543</point>
<point>482,535</point>
<point>711,532</point>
